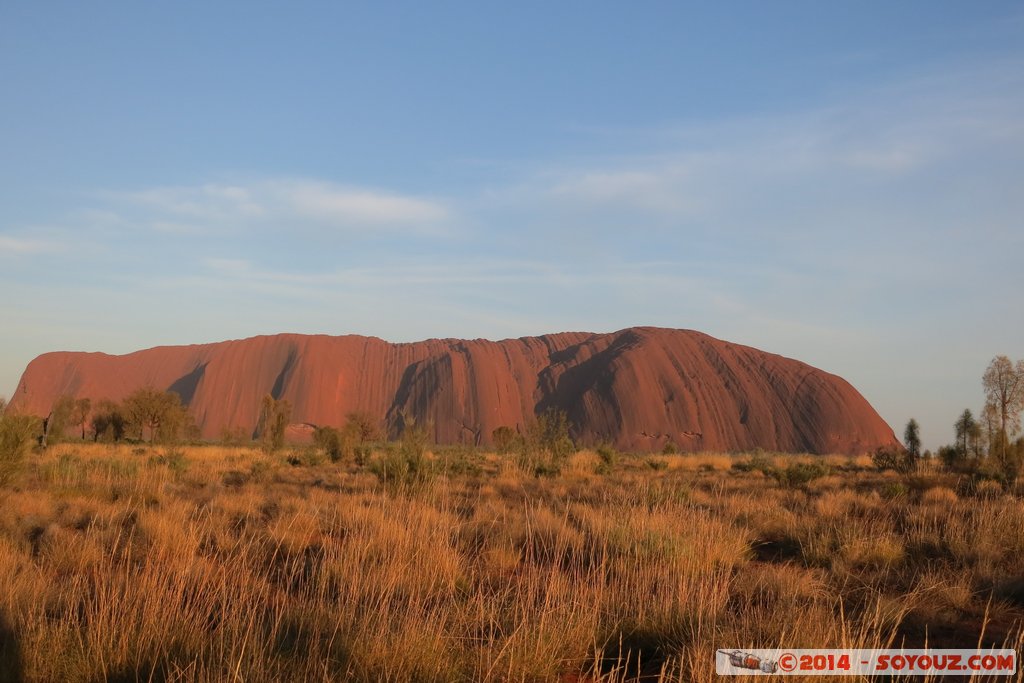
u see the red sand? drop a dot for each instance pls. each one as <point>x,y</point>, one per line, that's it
<point>636,388</point>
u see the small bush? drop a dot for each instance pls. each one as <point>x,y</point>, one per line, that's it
<point>361,454</point>
<point>460,461</point>
<point>799,473</point>
<point>890,458</point>
<point>234,479</point>
<point>757,463</point>
<point>505,439</point>
<point>233,436</point>
<point>172,459</point>
<point>657,464</point>
<point>16,435</point>
<point>1008,464</point>
<point>893,490</point>
<point>406,469</point>
<point>313,457</point>
<point>547,444</point>
<point>609,458</point>
<point>400,471</point>
<point>952,458</point>
<point>546,469</point>
<point>259,470</point>
<point>329,440</point>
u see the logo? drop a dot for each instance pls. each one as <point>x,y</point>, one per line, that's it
<point>745,660</point>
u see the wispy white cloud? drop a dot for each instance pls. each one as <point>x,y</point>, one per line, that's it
<point>209,202</point>
<point>346,205</point>
<point>647,189</point>
<point>274,204</point>
<point>888,134</point>
<point>889,159</point>
<point>20,246</point>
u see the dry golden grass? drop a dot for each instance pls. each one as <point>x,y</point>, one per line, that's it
<point>213,564</point>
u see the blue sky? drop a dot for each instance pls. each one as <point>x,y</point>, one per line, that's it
<point>840,182</point>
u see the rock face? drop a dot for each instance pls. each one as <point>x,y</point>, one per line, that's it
<point>637,388</point>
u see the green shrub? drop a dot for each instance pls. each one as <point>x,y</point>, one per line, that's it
<point>233,436</point>
<point>361,453</point>
<point>456,461</point>
<point>547,444</point>
<point>407,468</point>
<point>657,464</point>
<point>609,458</point>
<point>546,469</point>
<point>259,470</point>
<point>329,440</point>
<point>309,456</point>
<point>757,462</point>
<point>400,472</point>
<point>173,459</point>
<point>892,490</point>
<point>505,439</point>
<point>799,473</point>
<point>892,458</point>
<point>234,479</point>
<point>16,435</point>
<point>1008,463</point>
<point>951,457</point>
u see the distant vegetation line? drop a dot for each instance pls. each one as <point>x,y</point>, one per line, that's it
<point>989,446</point>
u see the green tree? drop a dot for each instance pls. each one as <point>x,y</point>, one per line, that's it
<point>974,441</point>
<point>177,423</point>
<point>80,414</point>
<point>273,421</point>
<point>1003,382</point>
<point>912,441</point>
<point>108,422</point>
<point>951,457</point>
<point>359,432</point>
<point>160,412</point>
<point>964,425</point>
<point>59,419</point>
<point>362,428</point>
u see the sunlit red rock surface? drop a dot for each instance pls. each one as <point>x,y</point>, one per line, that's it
<point>636,388</point>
